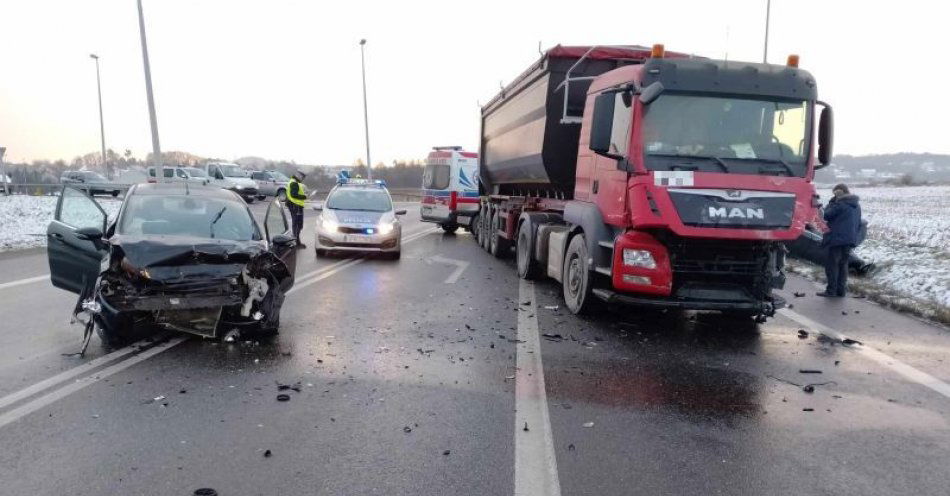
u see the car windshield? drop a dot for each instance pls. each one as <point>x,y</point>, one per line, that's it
<point>195,172</point>
<point>367,199</point>
<point>188,215</point>
<point>94,177</point>
<point>278,176</point>
<point>724,134</point>
<point>233,171</point>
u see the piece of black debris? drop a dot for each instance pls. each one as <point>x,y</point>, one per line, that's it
<point>808,388</point>
<point>407,429</point>
<point>182,391</point>
<point>891,400</point>
<point>849,342</point>
<point>205,491</point>
<point>790,305</point>
<point>515,341</point>
<point>552,337</point>
<point>844,312</point>
<point>809,371</point>
<point>492,346</point>
<point>798,294</point>
<point>283,397</point>
<point>526,427</point>
<point>837,362</point>
<point>570,447</point>
<point>283,387</point>
<point>808,409</point>
<point>802,334</point>
<point>447,452</point>
<point>267,453</point>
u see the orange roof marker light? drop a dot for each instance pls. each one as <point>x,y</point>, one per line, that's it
<point>658,51</point>
<point>792,60</point>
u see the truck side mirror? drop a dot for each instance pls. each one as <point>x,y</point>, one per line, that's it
<point>651,92</point>
<point>602,123</point>
<point>826,135</point>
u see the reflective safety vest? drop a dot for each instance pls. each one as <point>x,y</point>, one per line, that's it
<point>301,196</point>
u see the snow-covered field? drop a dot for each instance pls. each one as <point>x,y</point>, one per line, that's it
<point>23,219</point>
<point>909,242</point>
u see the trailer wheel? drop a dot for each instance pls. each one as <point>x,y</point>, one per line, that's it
<point>576,277</point>
<point>499,246</point>
<point>483,231</point>
<point>528,267</point>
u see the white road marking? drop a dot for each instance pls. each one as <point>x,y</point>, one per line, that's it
<point>460,266</point>
<point>42,401</point>
<point>20,282</point>
<point>892,363</point>
<point>535,462</point>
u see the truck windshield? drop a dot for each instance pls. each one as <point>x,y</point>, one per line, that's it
<point>746,136</point>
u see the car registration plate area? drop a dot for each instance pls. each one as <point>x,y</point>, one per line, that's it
<point>357,238</point>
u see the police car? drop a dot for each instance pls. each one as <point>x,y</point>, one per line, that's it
<point>358,216</point>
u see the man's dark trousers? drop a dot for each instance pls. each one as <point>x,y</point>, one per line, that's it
<point>296,216</point>
<point>836,270</point>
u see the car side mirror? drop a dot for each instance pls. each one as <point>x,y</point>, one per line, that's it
<point>283,239</point>
<point>602,123</point>
<point>401,212</point>
<point>826,135</point>
<point>93,234</point>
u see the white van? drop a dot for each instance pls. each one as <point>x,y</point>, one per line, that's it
<point>179,174</point>
<point>450,188</point>
<point>233,177</point>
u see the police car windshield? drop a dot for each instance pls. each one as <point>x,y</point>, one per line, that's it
<point>364,199</point>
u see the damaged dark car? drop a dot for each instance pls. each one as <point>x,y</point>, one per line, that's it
<point>177,256</point>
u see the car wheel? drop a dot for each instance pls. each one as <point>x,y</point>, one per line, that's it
<point>115,193</point>
<point>450,228</point>
<point>528,268</point>
<point>113,332</point>
<point>396,255</point>
<point>281,195</point>
<point>249,200</point>
<point>321,252</point>
<point>576,277</point>
<point>261,197</point>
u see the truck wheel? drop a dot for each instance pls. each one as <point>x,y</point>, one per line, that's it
<point>528,267</point>
<point>483,231</point>
<point>577,277</point>
<point>450,228</point>
<point>498,246</point>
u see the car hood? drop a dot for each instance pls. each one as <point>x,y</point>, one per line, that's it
<point>154,251</point>
<point>242,182</point>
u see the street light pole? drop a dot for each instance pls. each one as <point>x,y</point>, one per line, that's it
<point>102,127</point>
<point>765,52</point>
<point>369,163</point>
<point>156,148</point>
<point>3,172</point>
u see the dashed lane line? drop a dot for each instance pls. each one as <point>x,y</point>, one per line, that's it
<point>21,282</point>
<point>888,361</point>
<point>535,461</point>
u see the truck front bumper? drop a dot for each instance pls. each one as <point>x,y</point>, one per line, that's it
<point>767,308</point>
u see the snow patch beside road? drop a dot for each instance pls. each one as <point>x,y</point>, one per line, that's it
<point>23,219</point>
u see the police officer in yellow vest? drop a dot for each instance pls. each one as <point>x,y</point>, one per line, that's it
<point>296,195</point>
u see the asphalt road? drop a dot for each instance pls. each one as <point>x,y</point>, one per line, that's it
<point>430,376</point>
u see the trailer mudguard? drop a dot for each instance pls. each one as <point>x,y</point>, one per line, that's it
<point>587,218</point>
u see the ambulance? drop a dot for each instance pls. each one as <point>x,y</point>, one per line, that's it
<point>450,188</point>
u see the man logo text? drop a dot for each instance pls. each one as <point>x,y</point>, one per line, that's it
<point>736,213</point>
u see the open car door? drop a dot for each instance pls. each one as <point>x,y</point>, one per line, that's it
<point>277,229</point>
<point>74,241</point>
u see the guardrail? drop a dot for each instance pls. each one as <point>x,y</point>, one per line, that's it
<point>54,189</point>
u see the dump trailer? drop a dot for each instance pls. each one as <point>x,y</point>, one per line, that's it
<point>639,176</point>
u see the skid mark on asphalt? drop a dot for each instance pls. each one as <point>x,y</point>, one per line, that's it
<point>535,462</point>
<point>51,382</point>
<point>888,361</point>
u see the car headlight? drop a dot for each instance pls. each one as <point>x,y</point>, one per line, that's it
<point>386,227</point>
<point>638,258</point>
<point>329,224</point>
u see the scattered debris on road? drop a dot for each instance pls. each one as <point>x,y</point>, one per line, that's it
<point>232,336</point>
<point>267,454</point>
<point>588,424</point>
<point>553,337</point>
<point>802,334</point>
<point>205,491</point>
<point>798,294</point>
<point>809,371</point>
<point>283,397</point>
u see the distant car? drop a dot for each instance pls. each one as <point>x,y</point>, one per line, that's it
<point>91,182</point>
<point>358,216</point>
<point>190,259</point>
<point>271,183</point>
<point>233,177</point>
<point>192,175</point>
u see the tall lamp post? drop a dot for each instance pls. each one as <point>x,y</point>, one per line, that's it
<point>102,127</point>
<point>369,164</point>
<point>156,148</point>
<point>765,51</point>
<point>3,172</point>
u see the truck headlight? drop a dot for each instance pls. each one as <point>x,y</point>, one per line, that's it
<point>638,258</point>
<point>385,227</point>
<point>329,224</point>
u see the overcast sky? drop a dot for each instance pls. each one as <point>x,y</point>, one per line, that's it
<point>281,78</point>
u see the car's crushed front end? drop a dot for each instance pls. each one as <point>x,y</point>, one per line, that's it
<point>201,288</point>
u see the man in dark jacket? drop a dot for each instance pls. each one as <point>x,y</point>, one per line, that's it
<point>843,216</point>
